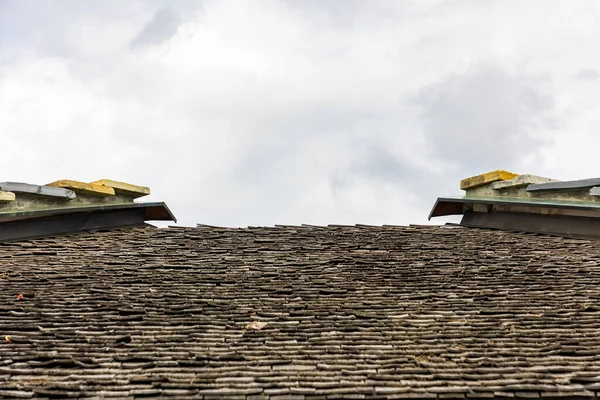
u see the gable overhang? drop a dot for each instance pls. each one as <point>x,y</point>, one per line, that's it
<point>458,205</point>
<point>558,217</point>
<point>15,225</point>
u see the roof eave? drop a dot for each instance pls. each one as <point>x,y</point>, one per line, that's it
<point>455,205</point>
<point>16,225</point>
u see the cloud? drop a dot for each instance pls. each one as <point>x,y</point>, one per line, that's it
<point>165,22</point>
<point>240,112</point>
<point>587,74</point>
<point>485,119</point>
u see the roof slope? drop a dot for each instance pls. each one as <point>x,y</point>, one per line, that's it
<point>375,312</point>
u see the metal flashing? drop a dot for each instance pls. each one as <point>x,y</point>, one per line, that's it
<point>566,185</point>
<point>155,211</point>
<point>42,190</point>
<point>454,205</point>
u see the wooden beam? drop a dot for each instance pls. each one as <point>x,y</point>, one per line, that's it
<point>488,177</point>
<point>83,187</point>
<point>123,188</point>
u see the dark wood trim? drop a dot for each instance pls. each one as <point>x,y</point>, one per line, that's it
<point>548,224</point>
<point>79,220</point>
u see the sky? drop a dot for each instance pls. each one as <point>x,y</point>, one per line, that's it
<point>262,112</point>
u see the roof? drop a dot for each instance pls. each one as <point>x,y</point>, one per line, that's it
<point>295,312</point>
<point>67,206</point>
<point>529,203</point>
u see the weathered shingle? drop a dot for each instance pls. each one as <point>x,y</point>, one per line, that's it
<point>346,312</point>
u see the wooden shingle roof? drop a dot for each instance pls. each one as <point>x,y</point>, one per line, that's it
<point>300,313</point>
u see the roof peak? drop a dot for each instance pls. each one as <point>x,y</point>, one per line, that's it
<point>64,206</point>
<point>506,200</point>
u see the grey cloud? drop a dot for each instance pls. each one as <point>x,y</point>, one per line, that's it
<point>481,120</point>
<point>375,164</point>
<point>66,28</point>
<point>381,165</point>
<point>58,28</point>
<point>384,165</point>
<point>337,12</point>
<point>587,74</point>
<point>485,119</point>
<point>163,25</point>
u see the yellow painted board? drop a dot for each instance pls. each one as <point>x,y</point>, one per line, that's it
<point>498,175</point>
<point>124,188</point>
<point>83,187</point>
<point>6,197</point>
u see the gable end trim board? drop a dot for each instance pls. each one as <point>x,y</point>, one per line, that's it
<point>562,225</point>
<point>50,222</point>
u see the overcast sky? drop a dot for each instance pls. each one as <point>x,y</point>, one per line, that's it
<point>261,112</point>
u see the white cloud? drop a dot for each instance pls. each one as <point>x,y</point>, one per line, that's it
<point>241,112</point>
